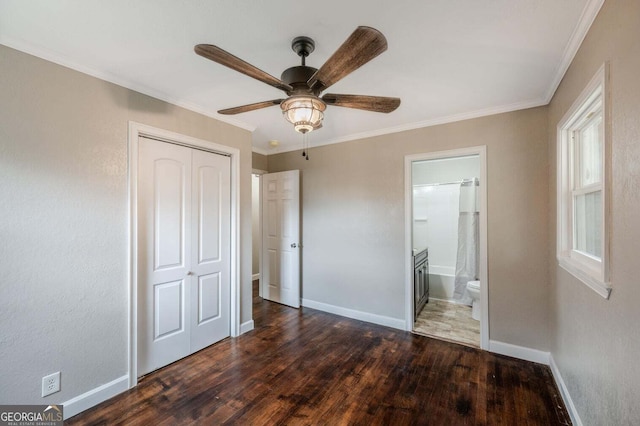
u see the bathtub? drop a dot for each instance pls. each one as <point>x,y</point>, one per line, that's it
<point>441,282</point>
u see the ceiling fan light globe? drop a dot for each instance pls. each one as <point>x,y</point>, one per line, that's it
<point>304,112</point>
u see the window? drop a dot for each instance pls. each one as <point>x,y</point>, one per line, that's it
<point>583,213</point>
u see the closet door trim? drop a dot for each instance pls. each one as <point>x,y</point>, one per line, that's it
<point>137,130</point>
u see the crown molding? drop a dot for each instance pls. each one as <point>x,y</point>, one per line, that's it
<point>145,90</point>
<point>422,124</point>
<point>580,31</point>
<point>589,13</point>
<point>260,151</point>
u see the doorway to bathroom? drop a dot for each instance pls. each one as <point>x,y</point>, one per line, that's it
<point>446,245</point>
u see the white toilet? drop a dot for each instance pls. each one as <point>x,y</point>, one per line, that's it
<point>473,289</point>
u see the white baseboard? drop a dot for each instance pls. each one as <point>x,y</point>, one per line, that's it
<point>359,315</point>
<point>564,392</point>
<point>255,277</point>
<point>246,326</point>
<point>519,352</point>
<point>95,396</point>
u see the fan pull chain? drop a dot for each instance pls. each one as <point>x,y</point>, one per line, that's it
<point>306,139</point>
<point>305,145</point>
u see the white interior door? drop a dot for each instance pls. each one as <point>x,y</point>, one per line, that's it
<point>183,251</point>
<point>280,273</point>
<point>211,240</point>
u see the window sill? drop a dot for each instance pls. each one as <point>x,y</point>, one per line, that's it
<point>600,287</point>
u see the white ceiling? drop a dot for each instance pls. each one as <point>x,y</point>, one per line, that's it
<point>447,59</point>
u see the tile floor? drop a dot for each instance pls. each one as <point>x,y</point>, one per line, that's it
<point>448,321</point>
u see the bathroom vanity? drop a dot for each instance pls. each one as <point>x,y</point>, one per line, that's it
<point>420,281</point>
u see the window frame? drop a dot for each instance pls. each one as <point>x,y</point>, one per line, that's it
<point>589,269</point>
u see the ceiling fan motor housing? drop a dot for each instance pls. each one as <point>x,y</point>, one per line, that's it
<point>297,78</point>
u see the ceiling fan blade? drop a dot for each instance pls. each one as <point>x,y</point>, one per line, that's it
<point>225,58</point>
<point>369,103</point>
<point>364,44</point>
<point>250,107</point>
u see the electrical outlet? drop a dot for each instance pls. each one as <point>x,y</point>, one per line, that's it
<point>51,384</point>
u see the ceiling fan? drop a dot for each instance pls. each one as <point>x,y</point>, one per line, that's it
<point>304,107</point>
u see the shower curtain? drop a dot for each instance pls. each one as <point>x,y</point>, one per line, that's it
<point>468,233</point>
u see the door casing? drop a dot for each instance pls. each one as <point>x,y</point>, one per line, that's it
<point>481,151</point>
<point>135,131</point>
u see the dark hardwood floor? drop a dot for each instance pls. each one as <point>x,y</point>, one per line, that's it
<point>309,367</point>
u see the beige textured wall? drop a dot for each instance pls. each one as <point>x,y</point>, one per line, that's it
<point>353,219</point>
<point>259,161</point>
<point>596,342</point>
<point>63,232</point>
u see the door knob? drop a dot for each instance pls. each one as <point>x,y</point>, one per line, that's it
<point>189,273</point>
<point>294,245</point>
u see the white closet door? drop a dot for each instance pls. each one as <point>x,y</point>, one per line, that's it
<point>183,251</point>
<point>211,230</point>
<point>164,253</point>
<point>280,275</point>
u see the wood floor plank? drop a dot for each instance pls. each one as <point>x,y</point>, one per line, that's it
<point>306,367</point>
